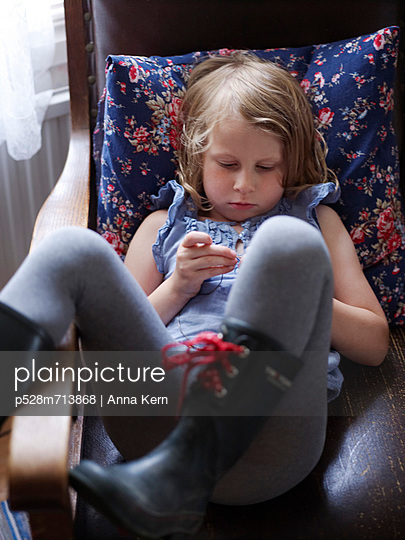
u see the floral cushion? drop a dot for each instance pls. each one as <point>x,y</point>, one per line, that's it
<point>350,87</point>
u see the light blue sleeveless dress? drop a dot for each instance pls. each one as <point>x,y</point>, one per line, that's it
<point>205,311</point>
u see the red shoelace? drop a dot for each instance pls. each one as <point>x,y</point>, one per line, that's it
<point>206,348</point>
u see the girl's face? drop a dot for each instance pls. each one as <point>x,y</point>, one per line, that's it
<point>243,171</point>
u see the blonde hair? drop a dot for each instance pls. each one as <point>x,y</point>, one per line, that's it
<point>261,93</point>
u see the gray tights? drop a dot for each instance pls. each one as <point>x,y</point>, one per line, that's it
<point>284,288</point>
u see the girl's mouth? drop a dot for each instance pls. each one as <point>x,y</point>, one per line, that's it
<point>241,205</point>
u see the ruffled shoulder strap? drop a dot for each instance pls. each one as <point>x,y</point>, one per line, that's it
<point>304,205</point>
<point>171,196</point>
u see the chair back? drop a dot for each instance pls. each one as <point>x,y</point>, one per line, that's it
<point>166,28</point>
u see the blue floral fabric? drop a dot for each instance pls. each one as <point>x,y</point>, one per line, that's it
<point>350,87</point>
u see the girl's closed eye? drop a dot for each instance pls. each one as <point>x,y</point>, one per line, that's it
<point>227,165</point>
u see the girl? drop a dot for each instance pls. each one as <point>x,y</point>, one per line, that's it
<point>236,245</point>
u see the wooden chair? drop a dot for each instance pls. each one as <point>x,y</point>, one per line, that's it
<point>357,490</point>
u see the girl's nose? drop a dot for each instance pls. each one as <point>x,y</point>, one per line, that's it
<point>244,182</point>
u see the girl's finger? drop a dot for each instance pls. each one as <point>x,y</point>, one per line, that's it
<point>196,237</point>
<point>203,250</point>
<point>216,271</point>
<point>204,263</point>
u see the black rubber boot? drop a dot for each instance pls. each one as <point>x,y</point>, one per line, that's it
<point>17,333</point>
<point>167,491</point>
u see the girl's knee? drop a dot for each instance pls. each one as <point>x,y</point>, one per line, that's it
<point>290,239</point>
<point>74,235</point>
<point>70,246</point>
<point>74,238</point>
<point>286,227</point>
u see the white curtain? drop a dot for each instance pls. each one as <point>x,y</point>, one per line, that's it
<point>26,54</point>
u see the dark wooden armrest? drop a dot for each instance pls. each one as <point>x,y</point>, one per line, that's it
<point>4,455</point>
<point>68,203</point>
<point>39,454</point>
<point>38,483</point>
<point>41,450</point>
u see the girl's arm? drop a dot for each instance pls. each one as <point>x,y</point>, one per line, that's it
<point>141,263</point>
<point>359,326</point>
<point>139,259</point>
<point>197,259</point>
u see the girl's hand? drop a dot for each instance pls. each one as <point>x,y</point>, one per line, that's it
<point>199,259</point>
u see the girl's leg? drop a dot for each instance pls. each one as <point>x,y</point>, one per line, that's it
<point>74,275</point>
<point>284,290</point>
<point>215,447</point>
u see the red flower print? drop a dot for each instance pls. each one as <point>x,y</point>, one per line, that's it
<point>174,109</point>
<point>173,138</point>
<point>370,58</point>
<point>385,224</point>
<point>326,116</point>
<point>305,85</point>
<point>386,98</point>
<point>394,242</point>
<point>126,167</point>
<point>144,169</point>
<point>115,241</point>
<point>319,78</point>
<point>357,235</point>
<point>134,73</point>
<point>141,134</point>
<point>379,42</point>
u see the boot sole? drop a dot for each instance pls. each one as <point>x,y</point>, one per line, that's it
<point>120,505</point>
